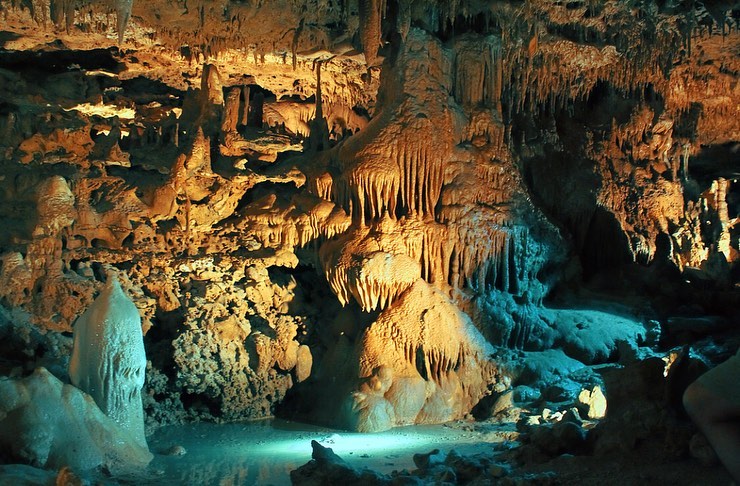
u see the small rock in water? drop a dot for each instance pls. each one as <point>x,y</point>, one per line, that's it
<point>175,450</point>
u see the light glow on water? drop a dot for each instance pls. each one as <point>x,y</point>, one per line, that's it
<point>349,443</point>
<point>264,452</point>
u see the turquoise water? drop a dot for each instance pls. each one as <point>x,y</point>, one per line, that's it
<point>264,452</point>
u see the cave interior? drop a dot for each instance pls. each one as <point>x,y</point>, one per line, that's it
<point>331,233</point>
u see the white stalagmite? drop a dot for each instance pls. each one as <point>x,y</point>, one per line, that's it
<point>108,359</point>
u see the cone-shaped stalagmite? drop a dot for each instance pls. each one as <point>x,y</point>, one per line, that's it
<point>108,359</point>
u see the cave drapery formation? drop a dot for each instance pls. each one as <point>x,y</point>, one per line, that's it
<point>342,208</point>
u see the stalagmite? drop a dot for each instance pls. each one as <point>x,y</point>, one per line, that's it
<point>55,425</point>
<point>231,111</point>
<point>108,359</point>
<point>211,84</point>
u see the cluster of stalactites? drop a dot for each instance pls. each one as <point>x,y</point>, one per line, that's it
<point>295,117</point>
<point>478,72</point>
<point>402,172</point>
<point>376,283</point>
<point>210,28</point>
<point>375,265</point>
<point>478,259</point>
<point>437,15</point>
<point>434,362</point>
<point>405,189</point>
<point>62,13</point>
<point>303,220</point>
<point>552,72</point>
<point>409,182</point>
<point>65,13</point>
<point>434,358</point>
<point>555,75</point>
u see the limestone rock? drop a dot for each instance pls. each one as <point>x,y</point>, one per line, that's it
<point>414,360</point>
<point>55,206</point>
<point>592,336</point>
<point>326,467</point>
<point>304,363</point>
<point>433,467</point>
<point>47,424</point>
<point>700,449</point>
<point>593,402</point>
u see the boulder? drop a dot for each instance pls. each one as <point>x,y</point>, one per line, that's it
<point>47,424</point>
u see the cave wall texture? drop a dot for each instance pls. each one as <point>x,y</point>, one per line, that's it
<point>341,208</point>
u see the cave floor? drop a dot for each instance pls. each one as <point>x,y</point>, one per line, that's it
<point>264,452</point>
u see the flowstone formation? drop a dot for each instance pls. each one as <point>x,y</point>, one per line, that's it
<point>448,212</point>
<point>419,363</point>
<point>368,213</point>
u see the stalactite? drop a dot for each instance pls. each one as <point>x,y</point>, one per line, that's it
<point>62,13</point>
<point>403,19</point>
<point>371,14</point>
<point>245,112</point>
<point>39,11</point>
<point>123,14</point>
<point>478,72</point>
<point>294,44</point>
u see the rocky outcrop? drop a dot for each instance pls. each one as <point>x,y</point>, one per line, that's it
<point>327,467</point>
<point>51,425</point>
<point>421,361</point>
